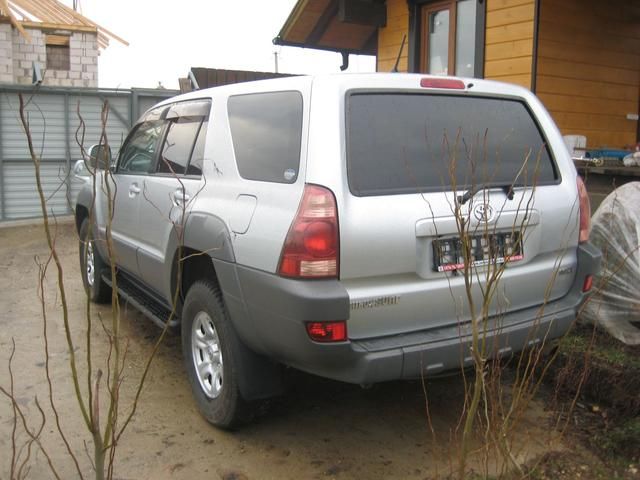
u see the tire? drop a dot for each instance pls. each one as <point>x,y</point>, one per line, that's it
<point>210,344</point>
<point>92,266</point>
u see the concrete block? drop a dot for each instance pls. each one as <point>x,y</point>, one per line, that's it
<point>87,76</point>
<point>76,67</point>
<point>26,48</point>
<point>91,53</point>
<point>75,52</point>
<point>74,75</point>
<point>17,55</point>
<point>61,73</point>
<point>26,64</point>
<point>91,68</point>
<point>33,57</point>
<point>74,60</point>
<point>88,60</point>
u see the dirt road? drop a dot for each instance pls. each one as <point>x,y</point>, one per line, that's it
<point>320,429</point>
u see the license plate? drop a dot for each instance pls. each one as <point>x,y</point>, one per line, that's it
<point>498,248</point>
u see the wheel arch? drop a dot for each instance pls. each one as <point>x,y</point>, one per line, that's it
<point>83,206</point>
<point>206,239</point>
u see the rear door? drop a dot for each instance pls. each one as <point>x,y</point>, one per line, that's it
<point>169,190</point>
<point>418,165</point>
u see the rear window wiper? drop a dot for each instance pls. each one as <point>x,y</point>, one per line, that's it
<point>506,188</point>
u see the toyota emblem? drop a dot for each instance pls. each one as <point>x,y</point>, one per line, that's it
<point>483,212</point>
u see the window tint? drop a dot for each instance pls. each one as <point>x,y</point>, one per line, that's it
<point>178,145</point>
<point>407,143</point>
<point>138,154</point>
<point>266,129</point>
<point>197,157</point>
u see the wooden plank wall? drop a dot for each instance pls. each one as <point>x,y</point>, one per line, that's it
<point>588,72</point>
<point>390,37</point>
<point>509,41</point>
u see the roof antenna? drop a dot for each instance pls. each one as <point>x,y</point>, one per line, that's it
<point>395,67</point>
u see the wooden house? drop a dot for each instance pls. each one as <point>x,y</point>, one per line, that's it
<point>581,57</point>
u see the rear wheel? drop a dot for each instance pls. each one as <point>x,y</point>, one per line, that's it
<point>211,349</point>
<point>92,267</point>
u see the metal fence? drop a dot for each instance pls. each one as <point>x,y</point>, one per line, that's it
<point>54,119</point>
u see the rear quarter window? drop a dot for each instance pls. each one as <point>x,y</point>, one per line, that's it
<point>410,143</point>
<point>266,130</point>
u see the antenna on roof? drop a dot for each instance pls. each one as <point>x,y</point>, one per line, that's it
<point>395,66</point>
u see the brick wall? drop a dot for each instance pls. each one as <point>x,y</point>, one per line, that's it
<point>6,53</point>
<point>18,54</point>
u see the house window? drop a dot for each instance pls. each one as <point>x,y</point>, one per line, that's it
<point>449,37</point>
<point>58,54</point>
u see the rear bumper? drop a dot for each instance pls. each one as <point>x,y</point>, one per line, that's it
<point>269,313</point>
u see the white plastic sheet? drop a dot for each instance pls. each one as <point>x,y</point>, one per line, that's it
<point>615,304</point>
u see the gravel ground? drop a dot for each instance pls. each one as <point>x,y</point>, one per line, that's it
<point>320,429</point>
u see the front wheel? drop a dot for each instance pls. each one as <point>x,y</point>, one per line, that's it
<point>92,267</point>
<point>210,351</point>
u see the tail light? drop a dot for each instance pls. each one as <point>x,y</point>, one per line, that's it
<point>327,331</point>
<point>312,245</point>
<point>585,212</point>
<point>588,283</point>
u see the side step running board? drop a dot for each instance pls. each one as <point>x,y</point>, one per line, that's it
<point>144,302</point>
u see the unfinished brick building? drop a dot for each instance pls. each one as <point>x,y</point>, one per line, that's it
<point>62,43</point>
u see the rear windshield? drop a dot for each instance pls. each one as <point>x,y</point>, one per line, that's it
<point>408,143</point>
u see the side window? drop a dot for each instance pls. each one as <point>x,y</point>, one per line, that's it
<point>183,146</point>
<point>138,154</point>
<point>178,145</point>
<point>266,129</point>
<point>197,157</point>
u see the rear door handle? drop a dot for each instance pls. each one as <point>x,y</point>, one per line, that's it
<point>180,197</point>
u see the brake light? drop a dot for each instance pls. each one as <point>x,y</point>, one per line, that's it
<point>585,212</point>
<point>327,331</point>
<point>588,283</point>
<point>442,83</point>
<point>312,244</point>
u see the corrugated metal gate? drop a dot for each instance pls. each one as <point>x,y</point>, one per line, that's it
<point>54,121</point>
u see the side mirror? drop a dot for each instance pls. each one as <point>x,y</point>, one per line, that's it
<point>100,156</point>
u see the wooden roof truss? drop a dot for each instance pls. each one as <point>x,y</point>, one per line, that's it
<point>52,14</point>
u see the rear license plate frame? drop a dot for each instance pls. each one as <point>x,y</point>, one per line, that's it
<point>486,249</point>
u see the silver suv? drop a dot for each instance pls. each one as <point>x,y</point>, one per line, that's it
<point>330,224</point>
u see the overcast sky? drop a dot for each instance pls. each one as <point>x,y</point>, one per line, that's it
<point>168,37</point>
